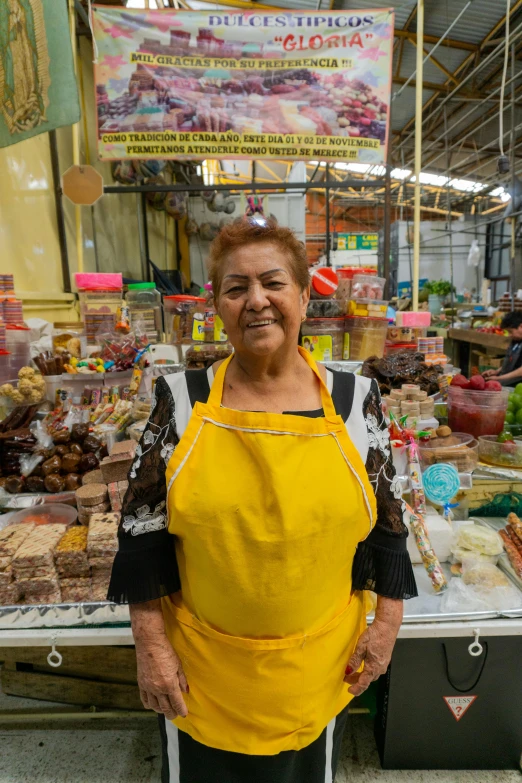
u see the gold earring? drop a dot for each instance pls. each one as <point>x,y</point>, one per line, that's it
<point>303,319</point>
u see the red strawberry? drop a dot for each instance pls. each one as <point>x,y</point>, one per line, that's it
<point>493,386</point>
<point>477,383</point>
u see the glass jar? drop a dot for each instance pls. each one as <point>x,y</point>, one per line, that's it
<point>144,303</point>
<point>69,337</point>
<point>184,319</point>
<point>323,338</point>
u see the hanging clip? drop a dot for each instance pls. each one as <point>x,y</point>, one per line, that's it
<point>54,658</point>
<point>475,649</point>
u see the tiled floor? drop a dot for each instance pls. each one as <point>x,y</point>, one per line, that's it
<point>129,752</point>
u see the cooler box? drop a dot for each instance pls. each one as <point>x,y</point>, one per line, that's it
<point>463,715</point>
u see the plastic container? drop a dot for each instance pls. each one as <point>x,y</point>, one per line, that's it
<point>214,329</point>
<point>477,412</point>
<point>63,332</point>
<point>390,348</point>
<point>144,302</point>
<point>18,343</point>
<point>48,513</point>
<point>401,335</point>
<point>323,282</point>
<point>323,338</point>
<point>375,308</point>
<point>459,449</point>
<point>344,288</point>
<point>98,281</point>
<point>5,366</point>
<point>506,455</point>
<point>325,308</point>
<point>367,287</point>
<point>99,311</point>
<point>184,319</point>
<point>364,337</point>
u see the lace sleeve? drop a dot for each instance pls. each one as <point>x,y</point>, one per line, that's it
<point>382,562</point>
<point>145,566</point>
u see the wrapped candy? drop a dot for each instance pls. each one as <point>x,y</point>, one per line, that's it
<point>429,558</point>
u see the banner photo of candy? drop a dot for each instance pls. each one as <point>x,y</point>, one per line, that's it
<point>232,84</point>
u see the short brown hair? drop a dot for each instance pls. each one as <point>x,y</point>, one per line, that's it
<point>247,231</point>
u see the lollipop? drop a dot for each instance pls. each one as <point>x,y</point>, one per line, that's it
<point>441,484</point>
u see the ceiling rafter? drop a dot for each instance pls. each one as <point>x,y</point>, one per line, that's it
<point>465,63</point>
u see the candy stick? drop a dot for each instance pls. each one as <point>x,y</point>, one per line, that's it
<point>414,470</point>
<point>429,558</point>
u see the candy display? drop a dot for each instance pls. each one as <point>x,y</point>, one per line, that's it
<point>203,356</point>
<point>183,317</point>
<point>364,337</point>
<point>69,338</point>
<point>457,448</point>
<point>71,554</point>
<point>323,338</point>
<point>30,388</point>
<point>367,287</point>
<point>393,371</point>
<point>373,308</point>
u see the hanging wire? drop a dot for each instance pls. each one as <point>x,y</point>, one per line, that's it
<point>504,76</point>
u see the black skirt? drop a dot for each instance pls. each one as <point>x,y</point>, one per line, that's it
<point>187,761</point>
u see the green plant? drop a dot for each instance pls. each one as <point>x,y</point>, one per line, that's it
<point>439,287</point>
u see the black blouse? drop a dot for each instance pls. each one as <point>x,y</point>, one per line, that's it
<point>145,566</point>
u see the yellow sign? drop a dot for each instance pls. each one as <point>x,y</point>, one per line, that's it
<point>275,84</point>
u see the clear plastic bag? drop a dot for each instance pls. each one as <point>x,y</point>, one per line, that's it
<point>461,597</point>
<point>29,462</point>
<point>479,539</point>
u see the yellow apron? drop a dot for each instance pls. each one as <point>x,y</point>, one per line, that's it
<point>268,510</point>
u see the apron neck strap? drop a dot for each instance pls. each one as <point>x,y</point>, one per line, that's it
<point>216,392</point>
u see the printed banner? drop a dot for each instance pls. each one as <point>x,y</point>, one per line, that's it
<point>38,91</point>
<point>232,84</point>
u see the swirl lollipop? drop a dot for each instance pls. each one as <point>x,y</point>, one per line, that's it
<point>441,484</point>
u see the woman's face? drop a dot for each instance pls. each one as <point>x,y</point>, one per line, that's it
<point>260,303</point>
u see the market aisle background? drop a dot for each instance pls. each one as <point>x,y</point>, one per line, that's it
<point>129,752</point>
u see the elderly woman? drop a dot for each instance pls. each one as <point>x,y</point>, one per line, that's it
<point>261,505</point>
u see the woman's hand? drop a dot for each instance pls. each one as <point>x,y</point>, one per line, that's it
<point>375,646</point>
<point>161,678</point>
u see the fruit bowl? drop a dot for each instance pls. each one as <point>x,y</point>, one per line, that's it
<point>507,454</point>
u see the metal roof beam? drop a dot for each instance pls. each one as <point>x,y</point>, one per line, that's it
<point>467,61</point>
<point>451,43</point>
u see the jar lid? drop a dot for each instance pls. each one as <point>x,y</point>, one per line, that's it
<point>141,286</point>
<point>186,298</point>
<point>5,353</point>
<point>325,281</point>
<point>69,325</point>
<point>18,327</point>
